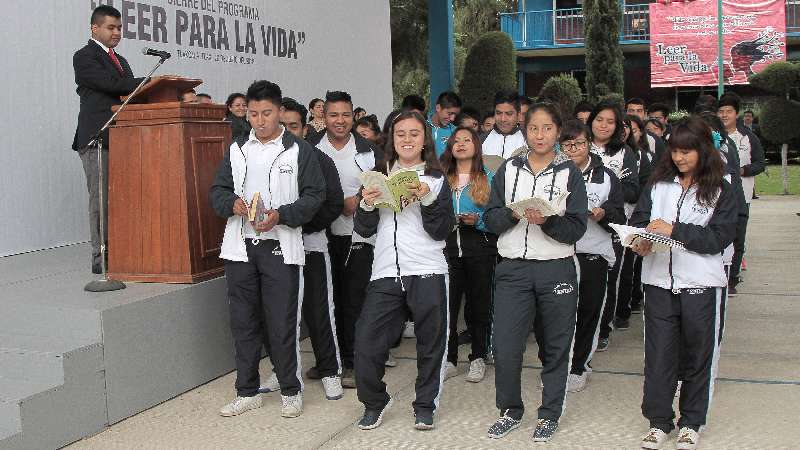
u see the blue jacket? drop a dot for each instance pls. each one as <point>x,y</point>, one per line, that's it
<point>463,203</point>
<point>440,136</point>
<point>466,240</point>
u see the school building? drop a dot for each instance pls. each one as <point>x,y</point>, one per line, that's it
<point>549,39</point>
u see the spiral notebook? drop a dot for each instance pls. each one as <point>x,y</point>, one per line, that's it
<point>628,236</point>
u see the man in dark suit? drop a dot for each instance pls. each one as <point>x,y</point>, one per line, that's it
<point>102,77</point>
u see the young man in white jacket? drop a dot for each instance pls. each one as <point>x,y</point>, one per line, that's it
<point>263,260</point>
<point>506,138</point>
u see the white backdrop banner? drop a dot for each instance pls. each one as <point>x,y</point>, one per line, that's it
<point>306,46</point>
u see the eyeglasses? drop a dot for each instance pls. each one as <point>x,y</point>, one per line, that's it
<point>574,145</point>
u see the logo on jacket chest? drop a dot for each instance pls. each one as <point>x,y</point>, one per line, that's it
<point>552,190</point>
<point>699,209</point>
<point>285,169</point>
<point>615,165</point>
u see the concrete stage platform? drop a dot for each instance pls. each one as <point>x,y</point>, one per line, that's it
<point>73,362</point>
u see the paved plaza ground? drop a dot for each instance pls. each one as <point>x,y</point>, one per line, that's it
<point>756,402</point>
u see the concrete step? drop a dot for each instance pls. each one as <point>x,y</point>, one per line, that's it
<point>10,426</point>
<point>44,385</point>
<point>34,366</point>
<point>25,319</point>
<point>15,390</point>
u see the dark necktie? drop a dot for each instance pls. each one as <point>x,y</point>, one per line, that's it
<point>116,61</point>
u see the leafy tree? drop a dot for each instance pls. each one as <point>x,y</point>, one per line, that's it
<point>409,24</point>
<point>603,53</point>
<point>779,114</point>
<point>490,67</point>
<point>564,91</point>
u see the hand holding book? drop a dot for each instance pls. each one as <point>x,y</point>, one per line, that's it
<point>396,191</point>
<point>632,237</point>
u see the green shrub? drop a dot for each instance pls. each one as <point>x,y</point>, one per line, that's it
<point>564,91</point>
<point>615,98</point>
<point>777,78</point>
<point>490,67</point>
<point>778,120</point>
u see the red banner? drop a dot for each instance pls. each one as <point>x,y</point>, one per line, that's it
<point>683,40</point>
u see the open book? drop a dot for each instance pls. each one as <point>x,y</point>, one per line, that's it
<point>257,211</point>
<point>629,235</point>
<point>394,188</point>
<point>547,208</point>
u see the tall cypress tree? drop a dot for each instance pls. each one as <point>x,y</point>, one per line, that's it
<point>604,60</point>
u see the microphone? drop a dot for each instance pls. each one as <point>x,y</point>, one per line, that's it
<point>153,52</point>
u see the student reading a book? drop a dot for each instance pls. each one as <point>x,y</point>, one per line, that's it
<point>537,275</point>
<point>689,201</point>
<point>471,250</point>
<point>607,130</point>
<point>317,296</point>
<point>263,260</point>
<point>595,251</point>
<point>409,269</point>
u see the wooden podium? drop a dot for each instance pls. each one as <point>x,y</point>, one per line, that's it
<point>163,156</point>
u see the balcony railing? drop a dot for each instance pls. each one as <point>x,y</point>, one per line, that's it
<point>565,27</point>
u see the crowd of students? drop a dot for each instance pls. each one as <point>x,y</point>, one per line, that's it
<point>360,275</point>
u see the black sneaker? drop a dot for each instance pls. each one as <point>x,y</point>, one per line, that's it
<point>373,417</point>
<point>621,324</point>
<point>423,421</point>
<point>732,291</point>
<point>602,345</point>
<point>313,373</point>
<point>636,308</point>
<point>545,429</point>
<point>503,426</point>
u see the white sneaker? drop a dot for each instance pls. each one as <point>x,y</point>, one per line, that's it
<point>687,439</point>
<point>408,332</point>
<point>450,370</point>
<point>291,406</point>
<point>390,361</point>
<point>333,387</point>
<point>270,385</point>
<point>477,370</point>
<point>240,405</point>
<point>654,439</point>
<point>576,383</point>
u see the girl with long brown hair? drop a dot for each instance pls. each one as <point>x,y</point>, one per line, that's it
<point>471,249</point>
<point>689,201</point>
<point>409,271</point>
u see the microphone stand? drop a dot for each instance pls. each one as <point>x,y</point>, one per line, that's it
<point>106,284</point>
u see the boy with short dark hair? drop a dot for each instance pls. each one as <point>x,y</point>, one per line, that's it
<point>263,258</point>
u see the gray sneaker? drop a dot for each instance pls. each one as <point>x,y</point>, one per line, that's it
<point>504,425</point>
<point>687,439</point>
<point>333,387</point>
<point>291,406</point>
<point>240,405</point>
<point>545,429</point>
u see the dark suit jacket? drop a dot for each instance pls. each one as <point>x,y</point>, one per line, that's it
<point>99,87</point>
